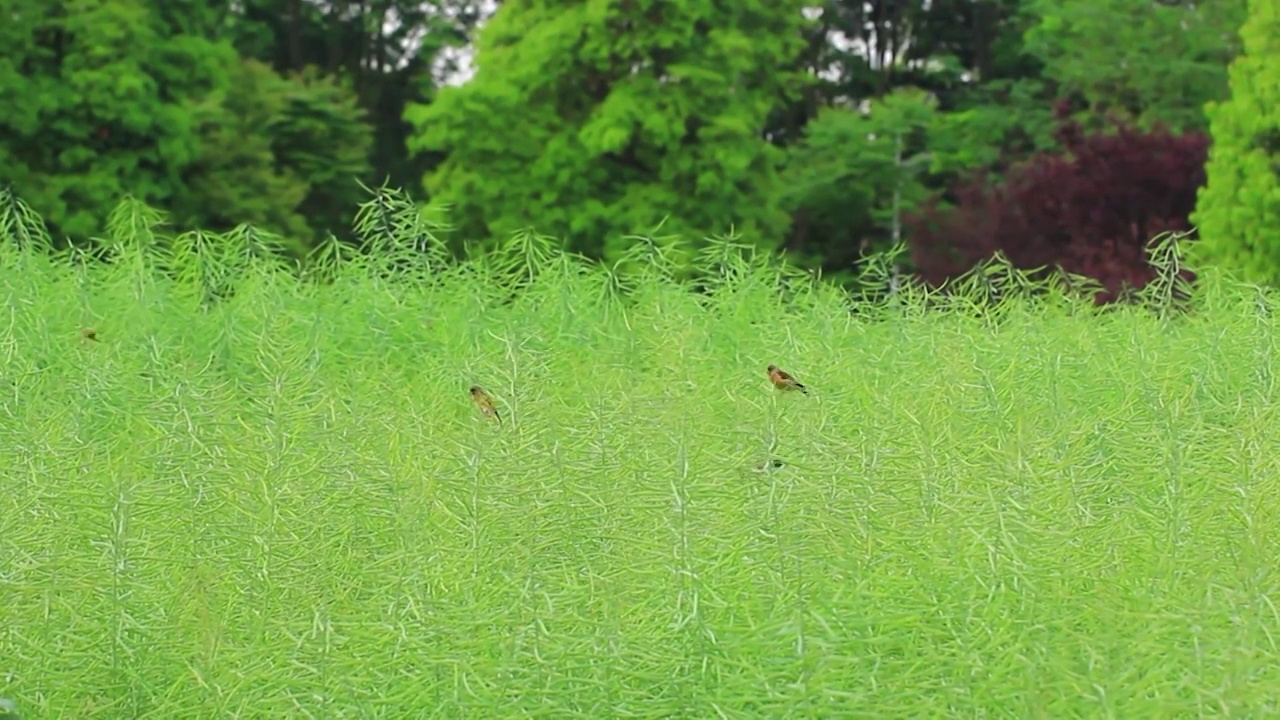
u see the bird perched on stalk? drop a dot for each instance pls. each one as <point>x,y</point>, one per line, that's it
<point>485,403</point>
<point>783,381</point>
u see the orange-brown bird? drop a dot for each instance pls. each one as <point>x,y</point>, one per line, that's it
<point>784,381</point>
<point>485,403</point>
<point>89,334</point>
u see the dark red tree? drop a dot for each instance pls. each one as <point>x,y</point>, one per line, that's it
<point>1090,210</point>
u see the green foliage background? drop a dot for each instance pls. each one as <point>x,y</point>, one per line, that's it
<point>1239,209</point>
<point>812,129</point>
<point>1146,61</point>
<point>584,119</point>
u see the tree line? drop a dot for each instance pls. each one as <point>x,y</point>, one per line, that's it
<point>1063,132</point>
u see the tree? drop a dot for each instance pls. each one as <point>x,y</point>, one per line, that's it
<point>390,52</point>
<point>235,179</point>
<point>592,120</point>
<point>1090,210</point>
<point>95,104</point>
<point>283,154</point>
<point>958,51</point>
<point>854,174</point>
<point>1138,60</point>
<point>1238,211</point>
<point>100,99</point>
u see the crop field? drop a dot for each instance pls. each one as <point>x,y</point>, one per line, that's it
<point>253,495</point>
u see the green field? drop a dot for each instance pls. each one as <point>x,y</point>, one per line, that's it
<point>263,497</point>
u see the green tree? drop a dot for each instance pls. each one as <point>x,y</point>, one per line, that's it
<point>1140,60</point>
<point>390,52</point>
<point>849,181</point>
<point>95,103</point>
<point>236,179</point>
<point>100,99</point>
<point>591,120</point>
<point>321,134</point>
<point>1238,210</point>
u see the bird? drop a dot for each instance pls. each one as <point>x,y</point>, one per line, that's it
<point>485,403</point>
<point>783,381</point>
<point>89,334</point>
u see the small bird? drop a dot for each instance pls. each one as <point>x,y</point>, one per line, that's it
<point>89,334</point>
<point>485,403</point>
<point>783,381</point>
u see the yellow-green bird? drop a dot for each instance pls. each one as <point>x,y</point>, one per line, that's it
<point>485,403</point>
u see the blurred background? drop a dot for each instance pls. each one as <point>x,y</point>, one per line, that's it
<point>1064,132</point>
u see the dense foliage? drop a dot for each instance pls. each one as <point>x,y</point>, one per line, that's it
<point>1138,61</point>
<point>1091,210</point>
<point>1239,211</point>
<point>583,118</point>
<point>814,128</point>
<point>99,100</point>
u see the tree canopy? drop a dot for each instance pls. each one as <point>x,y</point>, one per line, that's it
<point>814,129</point>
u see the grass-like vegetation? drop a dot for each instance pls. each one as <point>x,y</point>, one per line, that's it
<point>263,496</point>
